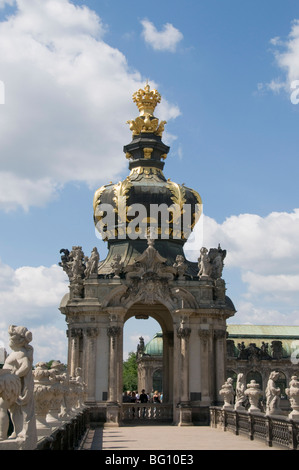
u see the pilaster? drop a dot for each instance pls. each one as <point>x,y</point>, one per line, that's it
<point>90,353</point>
<point>205,335</point>
<point>185,412</point>
<point>220,361</point>
<point>114,331</point>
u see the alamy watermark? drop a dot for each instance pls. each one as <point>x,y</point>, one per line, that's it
<point>157,221</point>
<point>295,94</point>
<point>295,352</point>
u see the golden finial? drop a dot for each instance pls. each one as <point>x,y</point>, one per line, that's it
<point>146,100</point>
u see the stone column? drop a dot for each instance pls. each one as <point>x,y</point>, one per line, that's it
<point>185,415</point>
<point>74,336</point>
<point>167,367</point>
<point>205,335</point>
<point>90,335</point>
<point>113,418</point>
<point>220,362</point>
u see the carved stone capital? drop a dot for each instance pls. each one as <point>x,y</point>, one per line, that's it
<point>91,332</point>
<point>76,332</point>
<point>183,332</point>
<point>220,334</point>
<point>113,332</point>
<point>204,335</point>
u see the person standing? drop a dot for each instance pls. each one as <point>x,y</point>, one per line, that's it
<point>143,399</point>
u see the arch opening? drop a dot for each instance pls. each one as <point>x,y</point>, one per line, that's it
<point>148,333</point>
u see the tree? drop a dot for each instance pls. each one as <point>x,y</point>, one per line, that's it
<point>130,373</point>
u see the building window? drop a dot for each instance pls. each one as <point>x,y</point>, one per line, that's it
<point>158,380</point>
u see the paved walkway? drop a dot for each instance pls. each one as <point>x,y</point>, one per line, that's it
<point>165,437</point>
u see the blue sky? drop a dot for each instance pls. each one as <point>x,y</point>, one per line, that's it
<point>225,70</point>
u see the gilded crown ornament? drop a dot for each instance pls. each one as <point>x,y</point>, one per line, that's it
<point>146,101</point>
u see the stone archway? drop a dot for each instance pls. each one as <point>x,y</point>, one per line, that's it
<point>163,316</point>
<point>192,315</point>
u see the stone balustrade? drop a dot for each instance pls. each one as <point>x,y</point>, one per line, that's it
<point>247,416</point>
<point>60,416</point>
<point>278,431</point>
<point>147,411</point>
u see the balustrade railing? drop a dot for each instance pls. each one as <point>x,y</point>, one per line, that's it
<point>273,430</point>
<point>148,411</point>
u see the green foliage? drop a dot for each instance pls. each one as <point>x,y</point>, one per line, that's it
<point>130,373</point>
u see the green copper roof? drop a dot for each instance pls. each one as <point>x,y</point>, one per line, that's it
<point>155,346</point>
<point>258,334</point>
<point>263,331</point>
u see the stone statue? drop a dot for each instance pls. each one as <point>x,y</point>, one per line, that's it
<point>19,364</point>
<point>216,257</point>
<point>180,266</point>
<point>81,387</point>
<point>92,264</point>
<point>273,395</point>
<point>293,395</point>
<point>10,390</point>
<point>73,264</point>
<point>264,351</point>
<point>243,353</point>
<point>204,264</point>
<point>240,392</point>
<point>140,347</point>
<point>227,392</point>
<point>117,266</point>
<point>276,347</point>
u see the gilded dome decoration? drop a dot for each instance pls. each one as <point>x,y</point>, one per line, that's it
<point>145,200</point>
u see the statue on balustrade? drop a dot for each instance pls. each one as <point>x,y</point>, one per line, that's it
<point>17,387</point>
<point>273,395</point>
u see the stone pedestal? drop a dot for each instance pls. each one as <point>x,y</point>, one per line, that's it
<point>185,414</point>
<point>113,415</point>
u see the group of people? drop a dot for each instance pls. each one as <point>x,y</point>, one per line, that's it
<point>143,397</point>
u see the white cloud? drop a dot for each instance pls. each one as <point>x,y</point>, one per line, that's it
<point>261,244</point>
<point>21,191</point>
<point>288,59</point>
<point>254,314</point>
<point>265,251</point>
<point>165,40</point>
<point>286,55</point>
<point>49,343</point>
<point>67,100</point>
<point>273,284</point>
<point>30,296</point>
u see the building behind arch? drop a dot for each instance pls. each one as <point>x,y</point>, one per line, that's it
<point>254,350</point>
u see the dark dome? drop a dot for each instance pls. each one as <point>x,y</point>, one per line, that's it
<point>145,201</point>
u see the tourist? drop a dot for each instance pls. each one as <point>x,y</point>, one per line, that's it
<point>156,397</point>
<point>133,400</point>
<point>143,399</point>
<point>127,397</point>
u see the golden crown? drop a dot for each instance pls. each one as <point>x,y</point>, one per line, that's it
<point>146,100</point>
